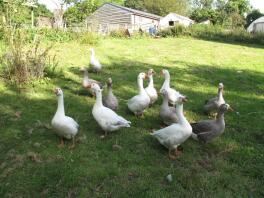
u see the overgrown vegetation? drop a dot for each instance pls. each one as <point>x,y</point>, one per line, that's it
<point>216,33</point>
<point>24,62</point>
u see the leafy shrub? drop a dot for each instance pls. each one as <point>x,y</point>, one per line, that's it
<point>217,33</point>
<point>23,63</point>
<point>88,38</point>
<point>54,35</point>
<point>120,33</point>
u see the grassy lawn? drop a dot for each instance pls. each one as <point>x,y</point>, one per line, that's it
<point>31,165</point>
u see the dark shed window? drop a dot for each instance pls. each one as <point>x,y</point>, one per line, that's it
<point>171,23</point>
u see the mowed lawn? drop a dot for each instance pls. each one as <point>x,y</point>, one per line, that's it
<point>31,165</point>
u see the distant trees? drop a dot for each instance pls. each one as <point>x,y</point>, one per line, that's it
<point>160,7</point>
<point>230,13</point>
<point>83,8</point>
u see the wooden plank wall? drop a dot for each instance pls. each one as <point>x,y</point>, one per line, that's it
<point>107,16</point>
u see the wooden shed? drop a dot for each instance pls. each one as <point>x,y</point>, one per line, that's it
<point>110,17</point>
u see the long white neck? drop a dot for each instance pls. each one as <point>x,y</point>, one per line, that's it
<point>166,83</point>
<point>110,90</point>
<point>92,54</point>
<point>179,112</point>
<point>140,86</point>
<point>60,108</point>
<point>220,117</point>
<point>98,101</point>
<point>220,94</point>
<point>86,77</point>
<point>165,102</point>
<point>151,83</point>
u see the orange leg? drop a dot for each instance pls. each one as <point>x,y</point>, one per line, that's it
<point>172,157</point>
<point>177,152</point>
<point>73,143</point>
<point>61,143</point>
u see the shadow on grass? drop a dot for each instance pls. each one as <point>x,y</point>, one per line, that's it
<point>137,145</point>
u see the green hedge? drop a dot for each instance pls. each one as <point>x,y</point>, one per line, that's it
<point>216,33</point>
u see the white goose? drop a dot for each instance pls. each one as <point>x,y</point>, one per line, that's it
<point>65,126</point>
<point>140,102</point>
<point>174,135</point>
<point>107,119</point>
<point>96,65</point>
<point>87,81</point>
<point>150,89</point>
<point>172,93</point>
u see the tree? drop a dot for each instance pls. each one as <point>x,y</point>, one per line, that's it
<point>160,7</point>
<point>135,4</point>
<point>80,10</point>
<point>237,6</point>
<point>252,16</point>
<point>42,10</point>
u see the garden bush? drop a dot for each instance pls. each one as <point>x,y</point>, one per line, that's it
<point>120,33</point>
<point>216,33</point>
<point>88,38</point>
<point>24,62</point>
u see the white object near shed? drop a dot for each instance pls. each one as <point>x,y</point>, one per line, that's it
<point>173,19</point>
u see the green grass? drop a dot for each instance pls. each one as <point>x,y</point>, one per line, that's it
<point>230,166</point>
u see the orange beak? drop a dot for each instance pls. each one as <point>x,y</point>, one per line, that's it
<point>55,91</point>
<point>230,109</point>
<point>89,86</point>
<point>184,99</point>
<point>146,76</point>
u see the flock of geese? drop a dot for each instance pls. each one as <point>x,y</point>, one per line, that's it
<point>178,128</point>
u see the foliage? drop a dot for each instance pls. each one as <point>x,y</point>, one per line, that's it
<point>216,33</point>
<point>120,33</point>
<point>81,9</point>
<point>252,16</point>
<point>21,64</point>
<point>160,7</point>
<point>42,10</point>
<point>88,38</point>
<point>229,13</point>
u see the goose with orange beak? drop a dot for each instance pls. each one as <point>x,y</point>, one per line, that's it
<point>107,119</point>
<point>140,102</point>
<point>207,130</point>
<point>64,126</point>
<point>94,62</point>
<point>150,89</point>
<point>172,93</point>
<point>174,135</point>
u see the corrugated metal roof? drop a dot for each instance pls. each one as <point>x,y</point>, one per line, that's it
<point>136,12</point>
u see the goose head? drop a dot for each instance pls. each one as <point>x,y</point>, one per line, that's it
<point>182,99</point>
<point>58,92</point>
<point>109,82</point>
<point>221,86</point>
<point>94,87</point>
<point>225,107</point>
<point>142,76</point>
<point>165,73</point>
<point>151,72</point>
